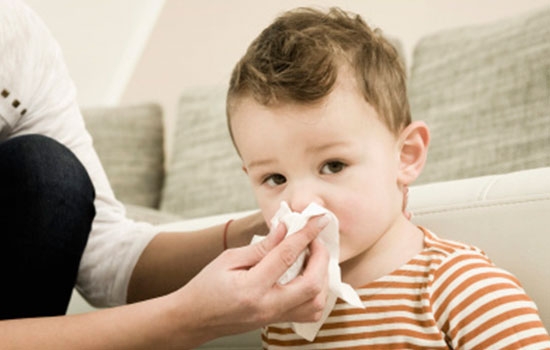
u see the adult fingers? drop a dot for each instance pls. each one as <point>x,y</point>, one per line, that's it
<point>248,256</point>
<point>304,298</point>
<point>309,311</point>
<point>314,278</point>
<point>316,268</point>
<point>281,257</point>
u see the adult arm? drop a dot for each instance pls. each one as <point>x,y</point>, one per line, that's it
<point>34,73</point>
<point>136,326</point>
<point>237,292</point>
<point>42,100</point>
<point>172,259</point>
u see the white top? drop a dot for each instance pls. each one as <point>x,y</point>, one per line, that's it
<point>37,96</point>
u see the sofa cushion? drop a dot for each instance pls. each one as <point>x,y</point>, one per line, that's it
<point>129,143</point>
<point>505,215</point>
<point>204,175</point>
<point>485,93</point>
<point>150,215</point>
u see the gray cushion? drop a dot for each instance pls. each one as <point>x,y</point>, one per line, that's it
<point>129,142</point>
<point>205,174</point>
<point>485,93</point>
<point>150,215</point>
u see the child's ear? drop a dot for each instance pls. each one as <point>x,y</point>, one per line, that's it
<point>245,169</point>
<point>413,143</point>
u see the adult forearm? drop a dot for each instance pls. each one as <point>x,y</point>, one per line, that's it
<point>213,304</point>
<point>148,325</point>
<point>173,259</point>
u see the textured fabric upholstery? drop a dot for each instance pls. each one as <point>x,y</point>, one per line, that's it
<point>129,142</point>
<point>205,174</point>
<point>504,215</point>
<point>150,215</point>
<point>485,93</point>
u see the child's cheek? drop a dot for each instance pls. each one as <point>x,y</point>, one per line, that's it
<point>349,213</point>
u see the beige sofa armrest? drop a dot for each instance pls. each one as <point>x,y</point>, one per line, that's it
<point>508,216</point>
<point>505,215</point>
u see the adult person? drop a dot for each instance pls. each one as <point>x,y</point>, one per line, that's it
<point>61,223</point>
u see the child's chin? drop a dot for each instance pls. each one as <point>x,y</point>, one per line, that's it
<point>344,257</point>
<point>347,254</point>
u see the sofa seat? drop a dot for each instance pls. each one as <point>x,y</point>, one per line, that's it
<point>506,215</point>
<point>483,90</point>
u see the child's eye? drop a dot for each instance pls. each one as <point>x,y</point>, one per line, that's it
<point>274,180</point>
<point>333,167</point>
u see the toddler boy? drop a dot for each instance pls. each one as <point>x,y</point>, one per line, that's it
<point>317,109</point>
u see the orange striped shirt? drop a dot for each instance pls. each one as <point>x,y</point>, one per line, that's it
<point>449,296</point>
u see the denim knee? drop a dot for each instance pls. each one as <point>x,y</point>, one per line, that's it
<point>48,188</point>
<point>47,209</point>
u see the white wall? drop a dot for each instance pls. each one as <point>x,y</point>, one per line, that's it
<point>102,41</point>
<point>132,51</point>
<point>197,42</point>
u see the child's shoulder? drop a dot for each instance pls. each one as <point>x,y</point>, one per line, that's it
<point>450,261</point>
<point>440,248</point>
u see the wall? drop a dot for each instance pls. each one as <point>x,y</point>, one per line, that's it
<point>102,40</point>
<point>197,42</point>
<point>133,51</point>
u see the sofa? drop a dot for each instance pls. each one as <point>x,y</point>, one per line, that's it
<point>483,90</point>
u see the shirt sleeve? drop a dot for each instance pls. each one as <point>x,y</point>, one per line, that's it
<point>480,306</point>
<point>34,73</point>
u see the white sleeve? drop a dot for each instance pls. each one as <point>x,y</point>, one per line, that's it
<point>34,73</point>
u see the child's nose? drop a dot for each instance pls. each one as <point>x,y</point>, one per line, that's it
<point>302,195</point>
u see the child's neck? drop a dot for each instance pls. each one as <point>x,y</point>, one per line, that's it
<point>395,248</point>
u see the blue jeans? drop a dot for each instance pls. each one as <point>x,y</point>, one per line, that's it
<point>46,213</point>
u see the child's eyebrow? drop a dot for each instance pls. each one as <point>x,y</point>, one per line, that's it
<point>260,162</point>
<point>310,149</point>
<point>325,146</point>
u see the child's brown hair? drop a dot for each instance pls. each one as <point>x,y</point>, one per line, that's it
<point>298,57</point>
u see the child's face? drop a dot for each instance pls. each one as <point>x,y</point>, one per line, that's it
<point>336,153</point>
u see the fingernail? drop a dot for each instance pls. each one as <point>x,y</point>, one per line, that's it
<point>322,221</point>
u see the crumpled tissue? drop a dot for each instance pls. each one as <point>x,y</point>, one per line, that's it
<point>330,237</point>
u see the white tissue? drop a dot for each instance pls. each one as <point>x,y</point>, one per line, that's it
<point>330,237</point>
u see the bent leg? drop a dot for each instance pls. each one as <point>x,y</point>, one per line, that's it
<point>46,213</point>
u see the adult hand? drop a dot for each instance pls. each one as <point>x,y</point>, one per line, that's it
<point>239,292</point>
